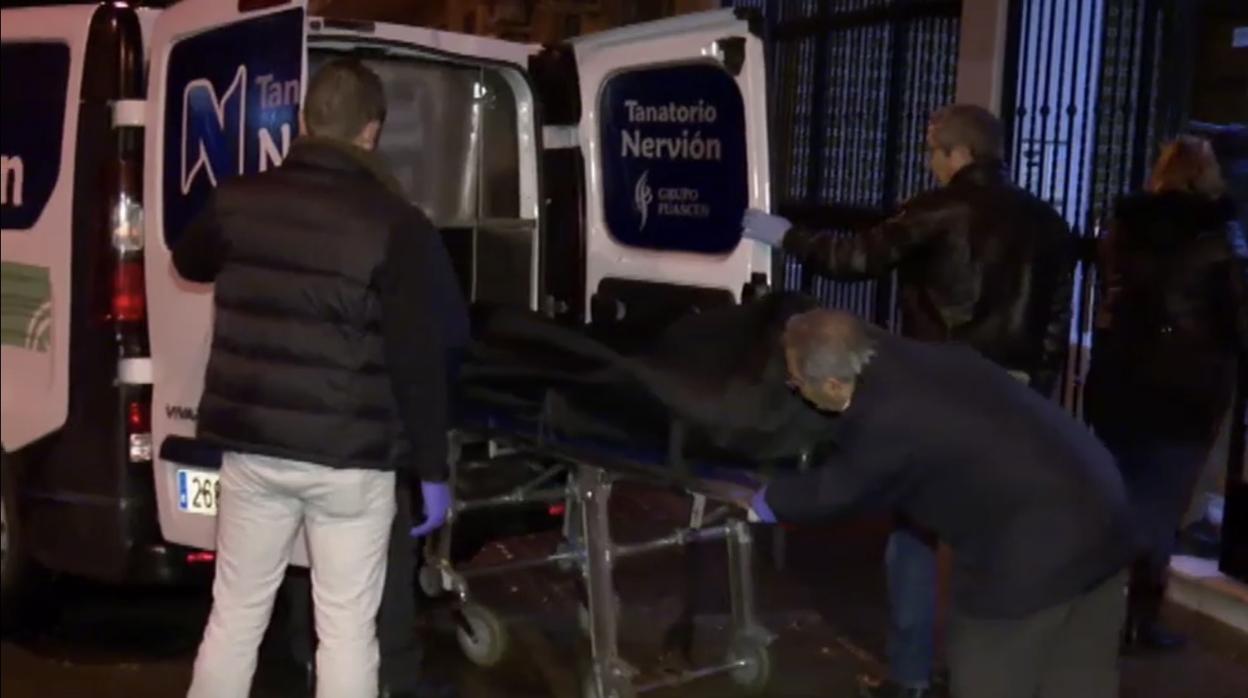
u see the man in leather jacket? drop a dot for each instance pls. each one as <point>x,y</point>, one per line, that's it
<point>979,261</point>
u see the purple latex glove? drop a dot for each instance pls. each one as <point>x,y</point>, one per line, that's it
<point>437,496</point>
<point>759,504</point>
<point>764,227</point>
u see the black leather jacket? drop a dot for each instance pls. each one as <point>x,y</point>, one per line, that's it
<point>1173,313</point>
<point>1168,267</point>
<point>979,261</point>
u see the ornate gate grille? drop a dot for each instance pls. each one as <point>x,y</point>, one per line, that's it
<point>852,84</point>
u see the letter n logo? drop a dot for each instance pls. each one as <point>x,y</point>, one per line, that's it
<point>212,129</point>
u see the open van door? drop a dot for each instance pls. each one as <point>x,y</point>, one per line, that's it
<point>674,133</point>
<point>223,99</point>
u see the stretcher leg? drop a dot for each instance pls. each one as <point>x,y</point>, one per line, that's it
<point>741,576</point>
<point>437,545</point>
<point>611,677</point>
<point>751,641</point>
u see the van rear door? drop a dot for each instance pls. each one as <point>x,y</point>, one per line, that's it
<point>674,133</point>
<point>43,50</point>
<point>223,98</point>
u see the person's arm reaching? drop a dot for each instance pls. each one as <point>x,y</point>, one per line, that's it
<point>414,332</point>
<point>867,254</point>
<point>200,252</point>
<point>846,482</point>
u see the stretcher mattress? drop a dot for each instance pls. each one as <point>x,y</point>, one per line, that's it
<point>710,389</point>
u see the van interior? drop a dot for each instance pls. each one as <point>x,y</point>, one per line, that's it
<point>453,140</point>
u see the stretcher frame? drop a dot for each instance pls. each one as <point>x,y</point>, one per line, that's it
<point>591,473</point>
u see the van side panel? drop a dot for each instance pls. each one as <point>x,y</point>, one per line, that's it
<point>43,56</point>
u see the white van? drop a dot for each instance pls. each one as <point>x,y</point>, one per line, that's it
<point>601,180</point>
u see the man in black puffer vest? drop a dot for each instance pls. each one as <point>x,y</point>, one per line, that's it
<point>327,374</point>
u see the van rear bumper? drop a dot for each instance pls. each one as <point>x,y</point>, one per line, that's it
<point>108,539</point>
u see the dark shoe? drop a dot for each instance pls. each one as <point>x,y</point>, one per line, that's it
<point>874,688</point>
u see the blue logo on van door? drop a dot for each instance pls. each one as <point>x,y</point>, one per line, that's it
<point>32,127</point>
<point>674,162</point>
<point>231,108</point>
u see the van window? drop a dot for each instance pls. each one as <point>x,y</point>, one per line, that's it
<point>673,157</point>
<point>452,139</point>
<point>32,128</point>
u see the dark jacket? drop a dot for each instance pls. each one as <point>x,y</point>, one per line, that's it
<point>1031,503</point>
<point>335,309</point>
<point>979,261</point>
<point>1173,314</point>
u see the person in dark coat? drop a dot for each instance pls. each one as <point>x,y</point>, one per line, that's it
<point>979,261</point>
<point>1029,500</point>
<point>327,375</point>
<point>1171,320</point>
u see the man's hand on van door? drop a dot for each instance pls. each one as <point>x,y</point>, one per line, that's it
<point>764,227</point>
<point>437,496</point>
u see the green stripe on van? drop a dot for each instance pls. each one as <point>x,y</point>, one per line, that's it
<point>25,306</point>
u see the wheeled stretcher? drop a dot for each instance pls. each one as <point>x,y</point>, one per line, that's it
<point>581,474</point>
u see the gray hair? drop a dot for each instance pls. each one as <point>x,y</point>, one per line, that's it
<point>971,127</point>
<point>829,344</point>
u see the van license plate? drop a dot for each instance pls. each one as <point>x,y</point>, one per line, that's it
<point>198,491</point>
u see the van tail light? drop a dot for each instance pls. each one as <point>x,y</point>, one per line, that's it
<point>139,430</point>
<point>127,304</point>
<point>201,557</point>
<point>129,294</point>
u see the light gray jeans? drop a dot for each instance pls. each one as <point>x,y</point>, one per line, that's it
<point>347,515</point>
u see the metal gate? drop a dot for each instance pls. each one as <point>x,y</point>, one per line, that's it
<point>1087,103</point>
<point>852,85</point>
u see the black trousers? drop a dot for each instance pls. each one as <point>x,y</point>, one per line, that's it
<point>401,649</point>
<point>1066,651</point>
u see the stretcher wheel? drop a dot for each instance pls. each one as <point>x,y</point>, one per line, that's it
<point>754,675</point>
<point>430,579</point>
<point>484,641</point>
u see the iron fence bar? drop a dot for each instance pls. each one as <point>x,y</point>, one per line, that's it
<point>1133,75</point>
<point>818,118</point>
<point>1014,38</point>
<point>901,9</point>
<point>852,144</point>
<point>1084,228</point>
<point>1084,112</point>
<point>1037,97</point>
<point>1047,145</point>
<point>1144,106</point>
<point>1060,110</point>
<point>899,31</point>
